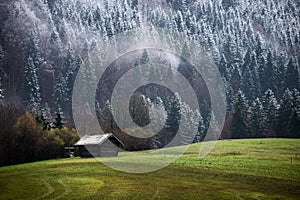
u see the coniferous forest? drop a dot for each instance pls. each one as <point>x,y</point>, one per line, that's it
<point>254,44</point>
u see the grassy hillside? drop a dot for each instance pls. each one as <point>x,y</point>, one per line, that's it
<point>235,169</point>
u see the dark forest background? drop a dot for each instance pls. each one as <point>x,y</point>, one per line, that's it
<point>255,45</point>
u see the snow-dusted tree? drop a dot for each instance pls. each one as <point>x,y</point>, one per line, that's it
<point>87,77</point>
<point>269,76</point>
<point>138,109</point>
<point>61,91</point>
<point>59,119</point>
<point>104,114</point>
<point>44,117</point>
<point>292,75</point>
<point>32,88</point>
<point>170,74</point>
<point>179,21</point>
<point>173,119</point>
<point>189,122</point>
<point>71,65</point>
<point>235,79</point>
<point>259,49</point>
<point>158,116</point>
<point>223,67</point>
<point>256,121</point>
<point>229,97</point>
<point>240,115</point>
<point>32,62</point>
<point>1,92</point>
<point>214,130</point>
<point>201,128</point>
<point>270,105</point>
<point>32,49</point>
<point>249,79</point>
<point>281,61</point>
<point>284,112</point>
<point>247,83</point>
<point>2,56</point>
<point>145,58</point>
<point>109,26</point>
<point>294,124</point>
<point>255,75</point>
<point>294,119</point>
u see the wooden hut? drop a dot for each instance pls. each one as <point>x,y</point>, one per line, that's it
<point>101,145</point>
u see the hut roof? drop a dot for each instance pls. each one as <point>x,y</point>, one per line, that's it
<point>95,139</point>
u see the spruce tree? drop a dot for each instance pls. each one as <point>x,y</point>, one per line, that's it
<point>173,119</point>
<point>285,112</point>
<point>145,58</point>
<point>61,91</point>
<point>294,119</point>
<point>32,87</point>
<point>229,97</point>
<point>257,120</point>
<point>43,120</point>
<point>292,75</point>
<point>223,67</point>
<point>59,120</point>
<point>71,64</point>
<point>247,83</point>
<point>1,92</point>
<point>32,62</point>
<point>269,75</point>
<point>235,79</point>
<point>271,112</point>
<point>189,122</point>
<point>239,117</point>
<point>294,124</point>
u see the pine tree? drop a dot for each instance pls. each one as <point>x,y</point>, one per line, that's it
<point>239,118</point>
<point>201,128</point>
<point>72,65</point>
<point>145,58</point>
<point>87,78</point>
<point>214,129</point>
<point>189,122</point>
<point>259,49</point>
<point>292,75</point>
<point>271,112</point>
<point>223,67</point>
<point>257,119</point>
<point>170,74</point>
<point>43,119</point>
<point>179,21</point>
<point>281,63</point>
<point>285,112</point>
<point>32,62</point>
<point>59,119</point>
<point>236,79</point>
<point>229,97</point>
<point>269,75</point>
<point>32,49</point>
<point>294,119</point>
<point>255,75</point>
<point>1,92</point>
<point>61,91</point>
<point>105,115</point>
<point>247,83</point>
<point>173,119</point>
<point>158,116</point>
<point>32,88</point>
<point>294,124</point>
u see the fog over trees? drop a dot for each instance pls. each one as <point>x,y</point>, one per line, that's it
<point>254,44</point>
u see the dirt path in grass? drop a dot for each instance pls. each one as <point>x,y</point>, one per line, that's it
<point>51,189</point>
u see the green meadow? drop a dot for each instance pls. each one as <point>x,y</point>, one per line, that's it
<point>235,169</point>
